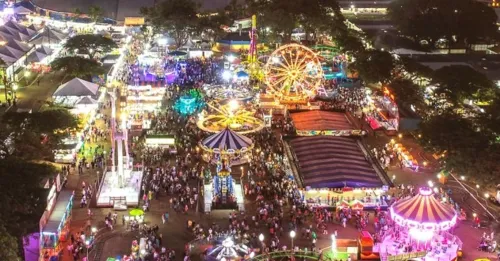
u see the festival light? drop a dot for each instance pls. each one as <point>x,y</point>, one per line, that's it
<point>421,235</point>
<point>226,75</point>
<point>231,58</point>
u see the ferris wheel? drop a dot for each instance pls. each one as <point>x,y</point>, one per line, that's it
<point>293,70</point>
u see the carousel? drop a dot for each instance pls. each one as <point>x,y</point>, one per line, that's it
<point>422,223</point>
<point>225,149</point>
<point>227,145</point>
<point>241,119</point>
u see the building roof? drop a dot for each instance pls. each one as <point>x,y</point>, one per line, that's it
<point>320,120</point>
<point>48,36</point>
<point>333,162</point>
<point>35,57</point>
<point>77,87</point>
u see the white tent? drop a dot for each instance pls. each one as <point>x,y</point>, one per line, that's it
<point>48,36</point>
<point>77,87</point>
<point>86,101</point>
<point>36,57</point>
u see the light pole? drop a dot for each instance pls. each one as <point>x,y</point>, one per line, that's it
<point>87,244</point>
<point>292,236</point>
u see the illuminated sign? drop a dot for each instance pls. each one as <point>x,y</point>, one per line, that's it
<point>330,133</point>
<point>160,141</point>
<point>134,20</point>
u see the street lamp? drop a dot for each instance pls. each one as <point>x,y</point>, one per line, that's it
<point>292,235</point>
<point>462,177</point>
<point>261,237</point>
<point>486,195</point>
<point>94,230</point>
<point>477,186</point>
<point>87,244</point>
<point>334,245</point>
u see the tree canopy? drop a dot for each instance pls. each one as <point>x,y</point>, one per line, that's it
<point>407,93</point>
<point>23,197</point>
<point>374,66</point>
<point>280,17</point>
<point>456,21</point>
<point>9,245</point>
<point>176,17</point>
<point>90,44</point>
<point>34,136</point>
<point>460,82</point>
<point>95,13</point>
<point>77,66</point>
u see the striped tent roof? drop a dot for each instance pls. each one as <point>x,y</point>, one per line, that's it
<point>423,208</point>
<point>227,142</point>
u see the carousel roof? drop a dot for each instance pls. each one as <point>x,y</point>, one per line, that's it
<point>423,208</point>
<point>227,141</point>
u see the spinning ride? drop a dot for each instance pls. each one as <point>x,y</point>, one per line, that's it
<point>423,215</point>
<point>190,102</point>
<point>226,92</point>
<point>228,250</point>
<point>293,72</point>
<point>232,116</point>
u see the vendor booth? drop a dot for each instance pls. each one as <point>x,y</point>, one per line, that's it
<point>57,227</point>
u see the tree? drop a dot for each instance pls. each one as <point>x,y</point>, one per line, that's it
<point>95,13</point>
<point>210,24</point>
<point>77,13</point>
<point>452,133</point>
<point>77,66</point>
<point>407,93</point>
<point>461,82</point>
<point>349,43</point>
<point>374,66</point>
<point>176,17</point>
<point>90,44</point>
<point>456,21</point>
<point>23,198</point>
<point>8,251</point>
<point>34,136</point>
<point>278,18</point>
<point>411,69</point>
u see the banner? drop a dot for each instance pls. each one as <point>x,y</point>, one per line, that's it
<point>330,133</point>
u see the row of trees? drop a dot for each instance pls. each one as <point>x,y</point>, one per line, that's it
<point>277,19</point>
<point>27,140</point>
<point>462,22</point>
<point>467,136</point>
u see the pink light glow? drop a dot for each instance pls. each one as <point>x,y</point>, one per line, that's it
<point>425,191</point>
<point>421,235</point>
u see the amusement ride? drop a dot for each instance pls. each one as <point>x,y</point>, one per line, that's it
<point>230,115</point>
<point>293,73</point>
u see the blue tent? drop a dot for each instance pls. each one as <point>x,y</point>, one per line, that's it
<point>241,74</point>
